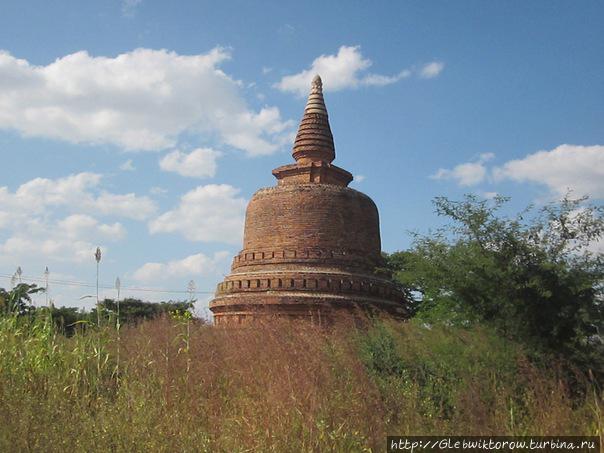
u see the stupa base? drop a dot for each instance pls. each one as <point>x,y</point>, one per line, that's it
<point>321,310</point>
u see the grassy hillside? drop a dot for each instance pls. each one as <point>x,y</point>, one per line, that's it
<point>176,385</point>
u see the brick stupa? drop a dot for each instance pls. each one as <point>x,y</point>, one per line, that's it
<point>311,245</point>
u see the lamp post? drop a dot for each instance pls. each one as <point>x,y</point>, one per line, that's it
<point>19,273</point>
<point>97,257</point>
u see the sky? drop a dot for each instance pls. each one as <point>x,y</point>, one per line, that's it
<point>144,127</point>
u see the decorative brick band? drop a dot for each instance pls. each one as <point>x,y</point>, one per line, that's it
<point>361,286</point>
<point>306,255</point>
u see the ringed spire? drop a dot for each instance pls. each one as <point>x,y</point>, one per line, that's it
<point>314,141</point>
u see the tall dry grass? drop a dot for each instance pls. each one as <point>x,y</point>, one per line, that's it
<point>280,386</point>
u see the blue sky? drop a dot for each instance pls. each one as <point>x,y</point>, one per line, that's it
<point>144,126</point>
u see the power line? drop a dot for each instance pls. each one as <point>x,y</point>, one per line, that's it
<point>74,283</point>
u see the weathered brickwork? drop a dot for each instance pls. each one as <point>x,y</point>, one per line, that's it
<point>312,215</point>
<point>311,244</point>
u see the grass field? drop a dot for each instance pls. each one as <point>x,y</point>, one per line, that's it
<point>178,385</point>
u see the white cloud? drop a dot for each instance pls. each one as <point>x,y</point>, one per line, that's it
<point>359,178</point>
<point>211,213</point>
<point>431,70</point>
<point>127,166</point>
<point>340,71</point>
<point>78,226</point>
<point>72,190</point>
<point>56,219</point>
<point>124,205</point>
<point>129,7</point>
<point>71,239</point>
<point>199,163</point>
<point>55,249</point>
<point>192,266</point>
<point>348,69</point>
<point>466,174</point>
<point>139,100</point>
<point>580,168</point>
<point>382,80</point>
<point>77,193</point>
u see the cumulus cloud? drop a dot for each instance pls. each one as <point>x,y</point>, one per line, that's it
<point>55,249</point>
<point>78,192</point>
<point>192,266</point>
<point>139,100</point>
<point>466,174</point>
<point>211,213</point>
<point>57,218</point>
<point>575,167</point>
<point>71,239</point>
<point>566,167</point>
<point>199,163</point>
<point>348,69</point>
<point>78,226</point>
<point>431,70</point>
<point>123,205</point>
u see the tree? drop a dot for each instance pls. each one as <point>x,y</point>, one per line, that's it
<point>136,310</point>
<point>533,276</point>
<point>18,299</point>
<point>69,319</point>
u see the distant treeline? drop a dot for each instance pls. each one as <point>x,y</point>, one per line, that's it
<point>69,319</point>
<point>131,311</point>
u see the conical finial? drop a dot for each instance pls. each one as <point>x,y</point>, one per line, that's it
<point>317,82</point>
<point>314,141</point>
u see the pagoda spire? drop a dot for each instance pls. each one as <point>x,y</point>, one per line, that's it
<point>314,141</point>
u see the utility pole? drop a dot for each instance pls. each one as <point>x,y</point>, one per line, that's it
<point>46,274</point>
<point>97,257</point>
<point>118,285</point>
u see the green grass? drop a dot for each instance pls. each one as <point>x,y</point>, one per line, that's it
<point>183,386</point>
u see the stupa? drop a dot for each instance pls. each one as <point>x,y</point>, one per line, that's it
<point>311,246</point>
